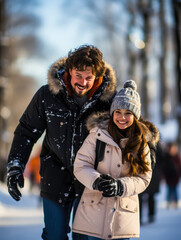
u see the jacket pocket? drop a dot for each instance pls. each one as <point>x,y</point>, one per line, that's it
<point>128,204</point>
<point>91,198</point>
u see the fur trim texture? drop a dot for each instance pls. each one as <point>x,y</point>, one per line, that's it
<point>55,84</point>
<point>100,120</point>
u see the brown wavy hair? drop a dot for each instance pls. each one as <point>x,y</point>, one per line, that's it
<point>134,151</point>
<point>86,56</point>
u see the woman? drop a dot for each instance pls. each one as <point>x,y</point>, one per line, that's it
<point>109,207</point>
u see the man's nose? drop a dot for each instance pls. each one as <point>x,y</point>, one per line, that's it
<point>83,81</point>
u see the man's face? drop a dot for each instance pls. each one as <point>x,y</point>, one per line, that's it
<point>82,81</point>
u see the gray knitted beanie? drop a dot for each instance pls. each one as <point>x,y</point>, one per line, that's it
<point>127,98</point>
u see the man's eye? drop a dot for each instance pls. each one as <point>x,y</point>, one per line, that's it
<point>89,79</point>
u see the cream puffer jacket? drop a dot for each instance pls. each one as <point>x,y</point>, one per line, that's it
<point>114,217</point>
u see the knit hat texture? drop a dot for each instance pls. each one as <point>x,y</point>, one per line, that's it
<point>127,98</point>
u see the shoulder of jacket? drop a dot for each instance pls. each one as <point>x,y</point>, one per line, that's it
<point>98,120</point>
<point>94,131</point>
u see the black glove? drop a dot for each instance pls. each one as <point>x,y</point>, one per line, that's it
<point>15,178</point>
<point>101,183</point>
<point>114,188</point>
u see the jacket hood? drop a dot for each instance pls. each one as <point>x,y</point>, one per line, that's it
<point>55,85</point>
<point>152,132</point>
<point>100,120</point>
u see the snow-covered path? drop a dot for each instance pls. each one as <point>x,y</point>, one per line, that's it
<point>23,220</point>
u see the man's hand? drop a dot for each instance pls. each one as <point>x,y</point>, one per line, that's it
<point>15,178</point>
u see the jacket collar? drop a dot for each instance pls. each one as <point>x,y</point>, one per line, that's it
<point>59,80</point>
<point>100,120</point>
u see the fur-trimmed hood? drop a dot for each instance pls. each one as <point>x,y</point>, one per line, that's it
<point>56,83</point>
<point>100,120</point>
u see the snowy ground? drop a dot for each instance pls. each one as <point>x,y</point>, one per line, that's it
<point>23,220</point>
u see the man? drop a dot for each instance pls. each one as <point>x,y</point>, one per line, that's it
<point>77,86</point>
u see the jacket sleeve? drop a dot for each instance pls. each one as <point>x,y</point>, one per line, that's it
<point>31,126</point>
<point>136,184</point>
<point>86,174</point>
<point>84,162</point>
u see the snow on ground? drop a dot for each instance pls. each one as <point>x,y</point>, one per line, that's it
<point>23,220</point>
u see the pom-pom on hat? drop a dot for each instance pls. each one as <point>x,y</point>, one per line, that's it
<point>127,98</point>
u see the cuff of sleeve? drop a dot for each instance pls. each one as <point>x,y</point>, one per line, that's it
<point>15,163</point>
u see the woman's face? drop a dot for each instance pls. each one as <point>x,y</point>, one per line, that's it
<point>123,118</point>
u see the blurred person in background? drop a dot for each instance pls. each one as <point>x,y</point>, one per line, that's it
<point>32,170</point>
<point>147,199</point>
<point>32,173</point>
<point>172,172</point>
<point>78,85</point>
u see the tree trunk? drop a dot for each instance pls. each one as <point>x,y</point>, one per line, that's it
<point>2,71</point>
<point>177,18</point>
<point>163,84</point>
<point>145,7</point>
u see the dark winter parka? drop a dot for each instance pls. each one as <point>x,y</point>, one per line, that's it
<point>54,111</point>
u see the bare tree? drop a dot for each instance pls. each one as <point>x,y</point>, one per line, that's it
<point>2,69</point>
<point>145,11</point>
<point>131,52</point>
<point>21,40</point>
<point>176,4</point>
<point>163,82</point>
<point>21,27</point>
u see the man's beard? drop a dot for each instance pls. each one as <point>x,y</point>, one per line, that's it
<point>79,94</point>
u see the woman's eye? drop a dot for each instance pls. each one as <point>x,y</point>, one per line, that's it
<point>117,112</point>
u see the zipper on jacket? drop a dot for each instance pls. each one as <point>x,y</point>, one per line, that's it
<point>73,137</point>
